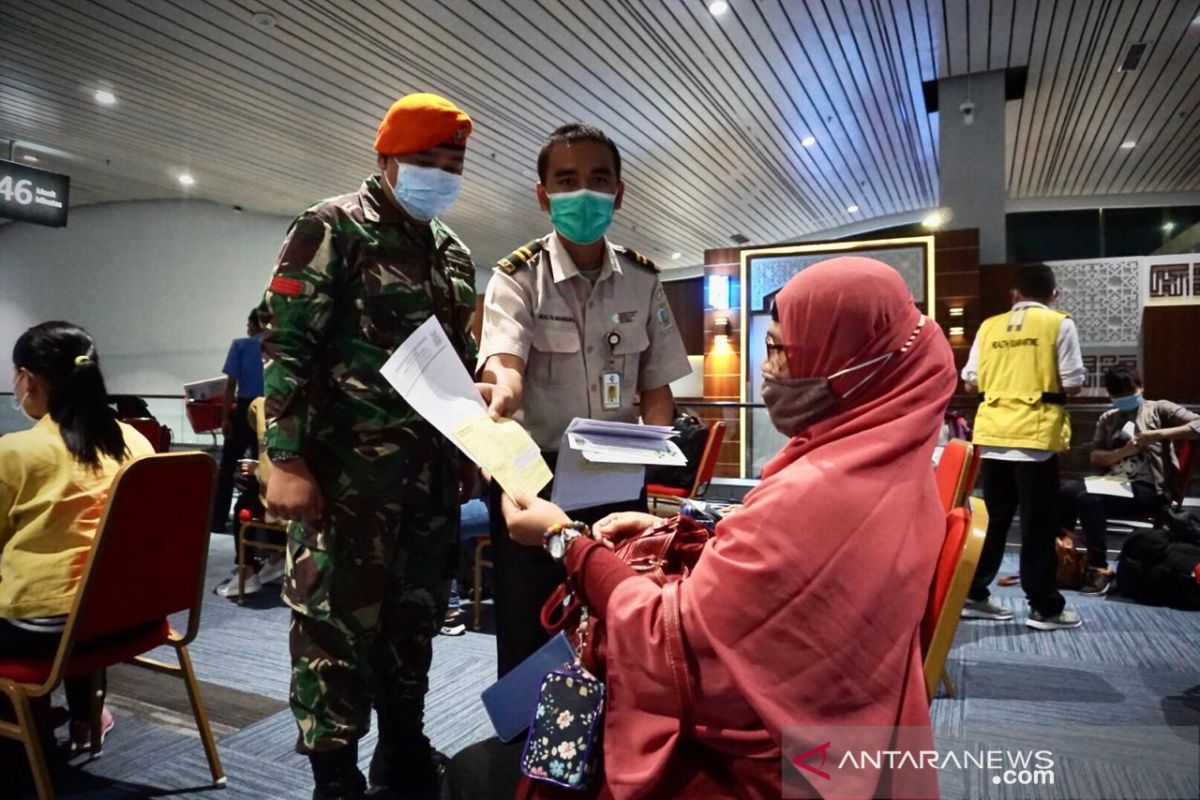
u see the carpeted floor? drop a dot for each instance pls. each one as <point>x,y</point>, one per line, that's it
<point>1128,665</point>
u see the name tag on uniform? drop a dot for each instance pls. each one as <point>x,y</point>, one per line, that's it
<point>610,391</point>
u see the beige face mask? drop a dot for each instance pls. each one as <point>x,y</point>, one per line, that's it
<point>795,403</point>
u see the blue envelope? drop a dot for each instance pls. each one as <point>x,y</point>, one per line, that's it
<point>510,701</point>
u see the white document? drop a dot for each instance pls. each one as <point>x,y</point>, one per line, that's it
<point>1108,486</point>
<point>428,374</point>
<point>604,462</point>
<point>430,377</point>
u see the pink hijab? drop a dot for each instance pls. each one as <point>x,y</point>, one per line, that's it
<point>804,609</point>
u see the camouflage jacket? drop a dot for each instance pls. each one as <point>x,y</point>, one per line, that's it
<point>353,279</point>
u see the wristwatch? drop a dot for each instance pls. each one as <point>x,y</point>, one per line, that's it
<point>559,538</point>
<point>280,456</point>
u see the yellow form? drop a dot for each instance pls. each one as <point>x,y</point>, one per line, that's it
<point>507,451</point>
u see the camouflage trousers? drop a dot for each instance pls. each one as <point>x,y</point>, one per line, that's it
<point>368,591</point>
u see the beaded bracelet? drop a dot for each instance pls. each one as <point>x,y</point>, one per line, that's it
<point>559,527</point>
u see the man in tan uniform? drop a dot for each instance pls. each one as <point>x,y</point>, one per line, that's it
<point>573,326</point>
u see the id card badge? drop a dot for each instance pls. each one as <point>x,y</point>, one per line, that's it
<point>610,390</point>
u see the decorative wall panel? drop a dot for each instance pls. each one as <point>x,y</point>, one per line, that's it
<point>1104,298</point>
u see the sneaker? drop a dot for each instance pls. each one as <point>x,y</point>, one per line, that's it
<point>81,735</point>
<point>230,587</point>
<point>270,572</point>
<point>985,609</point>
<point>1064,619</point>
<point>1097,583</point>
<point>453,629</point>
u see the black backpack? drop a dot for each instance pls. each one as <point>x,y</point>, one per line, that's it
<point>691,438</point>
<point>1160,567</point>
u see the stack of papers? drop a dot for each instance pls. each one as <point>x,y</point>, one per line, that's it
<point>428,374</point>
<point>604,462</point>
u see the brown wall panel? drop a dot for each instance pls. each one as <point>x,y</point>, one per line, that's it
<point>686,299</point>
<point>1169,361</point>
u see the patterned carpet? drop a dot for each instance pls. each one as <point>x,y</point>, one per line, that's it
<point>1129,665</point>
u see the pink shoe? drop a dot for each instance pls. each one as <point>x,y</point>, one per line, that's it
<point>81,734</point>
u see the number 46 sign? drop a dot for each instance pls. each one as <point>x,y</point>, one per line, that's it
<point>33,195</point>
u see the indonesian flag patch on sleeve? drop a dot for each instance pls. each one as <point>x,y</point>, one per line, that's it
<point>292,287</point>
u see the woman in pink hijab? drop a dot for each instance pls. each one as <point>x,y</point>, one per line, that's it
<point>804,608</point>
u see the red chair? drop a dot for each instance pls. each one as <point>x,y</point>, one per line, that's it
<point>656,492</point>
<point>956,473</point>
<point>125,596</point>
<point>157,434</point>
<point>1185,450</point>
<point>206,416</point>
<point>966,528</point>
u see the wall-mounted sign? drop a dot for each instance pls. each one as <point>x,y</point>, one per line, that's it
<point>33,195</point>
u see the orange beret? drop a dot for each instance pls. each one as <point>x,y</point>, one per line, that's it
<point>420,121</point>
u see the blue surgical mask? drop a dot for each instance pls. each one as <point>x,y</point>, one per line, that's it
<point>1127,403</point>
<point>581,216</point>
<point>425,192</point>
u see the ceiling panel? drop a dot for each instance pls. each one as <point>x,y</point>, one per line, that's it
<point>712,114</point>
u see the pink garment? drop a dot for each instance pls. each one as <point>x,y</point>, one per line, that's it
<point>805,607</point>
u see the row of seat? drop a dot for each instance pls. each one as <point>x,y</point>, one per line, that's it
<point>121,610</point>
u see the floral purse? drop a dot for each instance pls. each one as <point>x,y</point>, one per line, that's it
<point>566,732</point>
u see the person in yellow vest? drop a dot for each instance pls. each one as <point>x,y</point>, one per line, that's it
<point>1024,364</point>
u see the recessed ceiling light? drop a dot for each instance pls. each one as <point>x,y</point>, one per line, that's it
<point>32,159</point>
<point>676,256</point>
<point>1168,227</point>
<point>853,209</point>
<point>808,141</point>
<point>718,7</point>
<point>105,98</point>
<point>1129,145</point>
<point>186,179</point>
<point>263,20</point>
<point>935,219</point>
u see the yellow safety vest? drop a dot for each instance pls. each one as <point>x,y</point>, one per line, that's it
<point>1023,402</point>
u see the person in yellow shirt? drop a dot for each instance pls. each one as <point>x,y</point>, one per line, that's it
<point>54,482</point>
<point>1024,364</point>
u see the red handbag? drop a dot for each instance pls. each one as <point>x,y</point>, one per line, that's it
<point>665,553</point>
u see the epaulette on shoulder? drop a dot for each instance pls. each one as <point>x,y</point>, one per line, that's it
<point>636,257</point>
<point>519,258</point>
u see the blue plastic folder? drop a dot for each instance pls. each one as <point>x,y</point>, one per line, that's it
<point>511,700</point>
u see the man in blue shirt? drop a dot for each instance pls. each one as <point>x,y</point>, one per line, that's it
<point>244,368</point>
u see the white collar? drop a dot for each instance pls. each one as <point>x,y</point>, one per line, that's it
<point>563,267</point>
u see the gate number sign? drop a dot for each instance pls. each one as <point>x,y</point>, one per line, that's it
<point>33,195</point>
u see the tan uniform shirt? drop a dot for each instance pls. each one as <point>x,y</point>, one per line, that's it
<point>553,318</point>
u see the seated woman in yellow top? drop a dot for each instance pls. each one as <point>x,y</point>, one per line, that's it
<point>54,483</point>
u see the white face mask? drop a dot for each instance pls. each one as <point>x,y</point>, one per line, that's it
<point>19,401</point>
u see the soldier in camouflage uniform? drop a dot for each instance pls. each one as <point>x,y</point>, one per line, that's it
<point>370,488</point>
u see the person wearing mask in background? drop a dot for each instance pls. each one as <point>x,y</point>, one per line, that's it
<point>1024,364</point>
<point>858,380</point>
<point>244,372</point>
<point>54,483</point>
<point>370,489</point>
<point>1132,445</point>
<point>573,326</point>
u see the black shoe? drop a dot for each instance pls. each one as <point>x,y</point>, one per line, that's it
<point>411,771</point>
<point>336,775</point>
